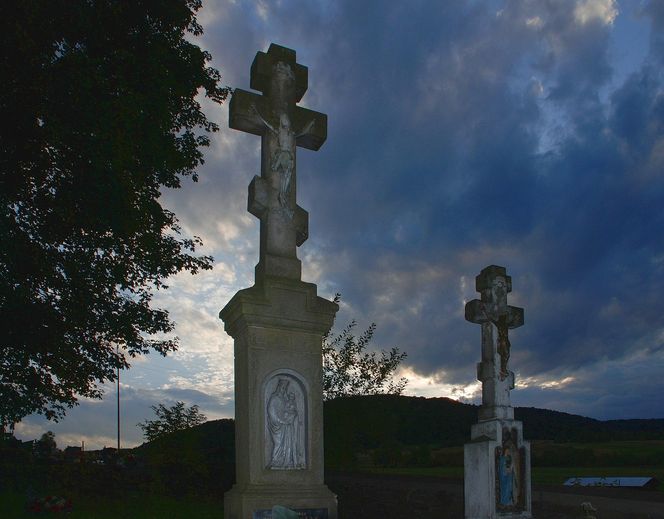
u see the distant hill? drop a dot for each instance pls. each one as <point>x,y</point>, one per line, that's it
<point>365,423</point>
<point>201,458</point>
<point>214,437</point>
<point>369,421</point>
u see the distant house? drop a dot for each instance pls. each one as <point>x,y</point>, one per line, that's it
<point>108,455</point>
<point>10,441</point>
<point>645,483</point>
<point>73,454</point>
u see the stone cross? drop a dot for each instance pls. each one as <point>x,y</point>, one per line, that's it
<point>282,126</point>
<point>491,311</point>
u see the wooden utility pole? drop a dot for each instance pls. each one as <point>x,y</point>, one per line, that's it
<point>118,393</point>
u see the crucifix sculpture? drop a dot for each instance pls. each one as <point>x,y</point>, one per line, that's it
<point>491,311</point>
<point>283,127</point>
<point>278,324</point>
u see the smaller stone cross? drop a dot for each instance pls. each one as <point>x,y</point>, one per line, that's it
<point>282,126</point>
<point>491,311</point>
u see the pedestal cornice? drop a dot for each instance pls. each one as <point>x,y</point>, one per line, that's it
<point>279,303</point>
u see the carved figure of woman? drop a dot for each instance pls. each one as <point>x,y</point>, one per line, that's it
<point>283,426</point>
<point>506,477</point>
<point>509,469</point>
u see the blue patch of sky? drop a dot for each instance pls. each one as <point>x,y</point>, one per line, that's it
<point>629,43</point>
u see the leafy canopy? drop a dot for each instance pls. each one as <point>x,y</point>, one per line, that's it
<point>100,113</point>
<point>350,370</point>
<point>171,419</point>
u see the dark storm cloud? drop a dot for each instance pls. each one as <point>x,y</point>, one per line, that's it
<point>655,11</point>
<point>463,134</point>
<point>460,134</point>
<point>605,390</point>
<point>448,161</point>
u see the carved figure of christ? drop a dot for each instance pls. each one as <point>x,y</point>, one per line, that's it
<point>283,159</point>
<point>275,117</point>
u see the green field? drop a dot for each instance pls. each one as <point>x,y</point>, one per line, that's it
<point>134,506</point>
<point>601,454</point>
<point>553,463</point>
<point>540,475</point>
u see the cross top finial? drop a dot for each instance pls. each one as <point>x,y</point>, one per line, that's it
<point>278,60</point>
<point>494,284</point>
<point>488,274</point>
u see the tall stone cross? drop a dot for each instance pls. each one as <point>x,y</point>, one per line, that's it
<point>492,311</point>
<point>282,126</point>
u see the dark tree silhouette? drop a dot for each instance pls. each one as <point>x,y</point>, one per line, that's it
<point>171,419</point>
<point>45,447</point>
<point>350,370</point>
<point>99,111</point>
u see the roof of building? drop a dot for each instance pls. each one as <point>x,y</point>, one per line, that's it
<point>610,481</point>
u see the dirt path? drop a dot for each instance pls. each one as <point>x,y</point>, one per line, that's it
<point>374,496</point>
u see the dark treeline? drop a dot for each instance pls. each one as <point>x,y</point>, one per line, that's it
<point>370,420</point>
<point>361,431</point>
<point>195,462</point>
<point>387,430</point>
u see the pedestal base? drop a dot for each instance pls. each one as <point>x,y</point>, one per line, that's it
<point>254,501</point>
<point>497,472</point>
<point>278,326</point>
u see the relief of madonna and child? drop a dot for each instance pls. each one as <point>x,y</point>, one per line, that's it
<point>285,419</point>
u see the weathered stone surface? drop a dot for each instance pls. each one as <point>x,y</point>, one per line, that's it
<point>283,127</point>
<point>497,460</point>
<point>278,324</point>
<point>493,313</point>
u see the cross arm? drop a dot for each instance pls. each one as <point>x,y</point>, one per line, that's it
<point>474,312</point>
<point>514,317</point>
<point>310,127</point>
<point>241,113</point>
<point>261,69</point>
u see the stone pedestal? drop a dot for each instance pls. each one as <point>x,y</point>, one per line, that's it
<point>497,472</point>
<point>278,326</point>
<point>279,323</point>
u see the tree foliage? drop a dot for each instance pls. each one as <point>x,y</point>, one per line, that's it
<point>348,369</point>
<point>46,446</point>
<point>99,107</point>
<point>171,419</point>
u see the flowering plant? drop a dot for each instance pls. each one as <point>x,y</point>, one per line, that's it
<point>52,504</point>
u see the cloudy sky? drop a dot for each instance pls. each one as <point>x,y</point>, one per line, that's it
<point>522,133</point>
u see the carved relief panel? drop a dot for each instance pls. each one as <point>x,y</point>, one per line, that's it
<point>286,421</point>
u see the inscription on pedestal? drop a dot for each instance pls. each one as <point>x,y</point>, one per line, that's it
<point>286,422</point>
<point>302,513</point>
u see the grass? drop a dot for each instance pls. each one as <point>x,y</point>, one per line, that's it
<point>441,472</point>
<point>132,506</point>
<point>615,458</point>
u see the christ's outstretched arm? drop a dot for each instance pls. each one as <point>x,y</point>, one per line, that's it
<point>258,114</point>
<point>306,129</point>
